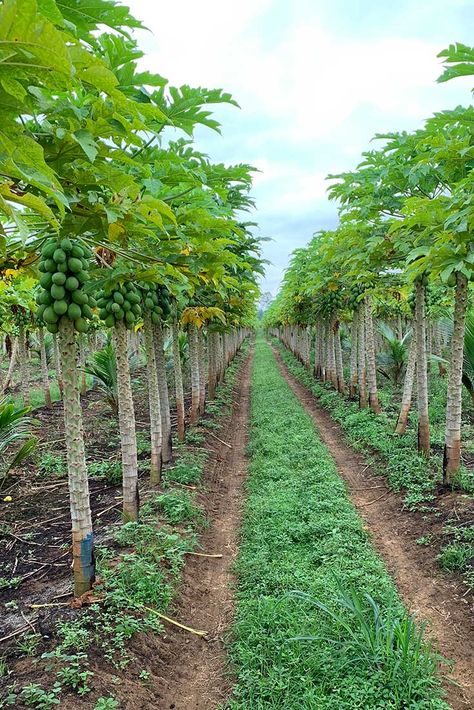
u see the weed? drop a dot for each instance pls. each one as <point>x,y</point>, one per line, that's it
<point>3,668</point>
<point>195,437</point>
<point>110,471</point>
<point>184,473</point>
<point>177,507</point>
<point>34,696</point>
<point>424,540</point>
<point>29,644</point>
<point>106,703</point>
<point>52,465</point>
<point>74,675</point>
<point>456,556</point>
<point>10,583</point>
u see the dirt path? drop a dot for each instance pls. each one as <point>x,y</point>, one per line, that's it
<point>426,592</point>
<point>193,673</point>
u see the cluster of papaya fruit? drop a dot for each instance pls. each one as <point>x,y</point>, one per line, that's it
<point>21,316</point>
<point>64,265</point>
<point>156,301</point>
<point>120,303</point>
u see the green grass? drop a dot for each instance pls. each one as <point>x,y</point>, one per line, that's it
<point>300,532</point>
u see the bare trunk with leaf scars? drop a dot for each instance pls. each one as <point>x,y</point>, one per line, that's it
<point>22,355</point>
<point>202,370</point>
<point>82,535</point>
<point>194,364</point>
<point>371,364</point>
<point>154,403</point>
<point>44,368</point>
<point>341,385</point>
<point>361,358</point>
<point>178,381</point>
<point>166,446</point>
<point>57,363</point>
<point>353,364</point>
<point>11,368</point>
<point>407,394</point>
<point>422,370</point>
<point>452,446</point>
<point>126,412</point>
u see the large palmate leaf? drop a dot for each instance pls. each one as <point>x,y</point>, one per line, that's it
<point>460,57</point>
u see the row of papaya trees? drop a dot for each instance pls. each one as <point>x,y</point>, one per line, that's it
<point>403,254</point>
<point>113,219</point>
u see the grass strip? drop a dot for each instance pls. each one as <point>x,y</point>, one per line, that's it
<point>300,532</point>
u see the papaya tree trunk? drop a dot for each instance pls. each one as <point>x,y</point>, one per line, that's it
<point>166,446</point>
<point>57,364</point>
<point>353,365</point>
<point>361,358</point>
<point>178,381</point>
<point>194,364</point>
<point>126,413</point>
<point>154,403</point>
<point>371,364</point>
<point>421,370</point>
<point>407,394</point>
<point>202,370</point>
<point>82,361</point>
<point>22,355</point>
<point>212,363</point>
<point>11,368</point>
<point>44,368</point>
<point>452,446</point>
<point>341,385</point>
<point>79,500</point>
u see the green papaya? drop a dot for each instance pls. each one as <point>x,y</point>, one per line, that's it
<point>46,280</point>
<point>58,292</point>
<point>74,265</point>
<point>49,316</point>
<point>59,278</point>
<point>74,311</point>
<point>81,325</point>
<point>59,256</point>
<point>71,283</point>
<point>60,307</point>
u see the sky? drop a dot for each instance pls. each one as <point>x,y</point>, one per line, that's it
<point>315,80</point>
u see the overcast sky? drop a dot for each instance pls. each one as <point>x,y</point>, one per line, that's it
<point>315,79</point>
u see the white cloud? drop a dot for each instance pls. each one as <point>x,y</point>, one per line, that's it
<point>311,96</point>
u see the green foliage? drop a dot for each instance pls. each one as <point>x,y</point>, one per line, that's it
<point>106,703</point>
<point>176,506</point>
<point>16,441</point>
<point>34,696</point>
<point>298,528</point>
<point>184,473</point>
<point>50,464</point>
<point>103,368</point>
<point>110,471</point>
<point>392,360</point>
<point>456,556</point>
<point>394,647</point>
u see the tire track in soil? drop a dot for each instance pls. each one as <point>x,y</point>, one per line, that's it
<point>193,673</point>
<point>430,595</point>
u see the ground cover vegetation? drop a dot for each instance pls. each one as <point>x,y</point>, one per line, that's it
<point>319,623</point>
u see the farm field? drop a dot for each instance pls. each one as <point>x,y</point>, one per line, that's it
<point>236,360</point>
